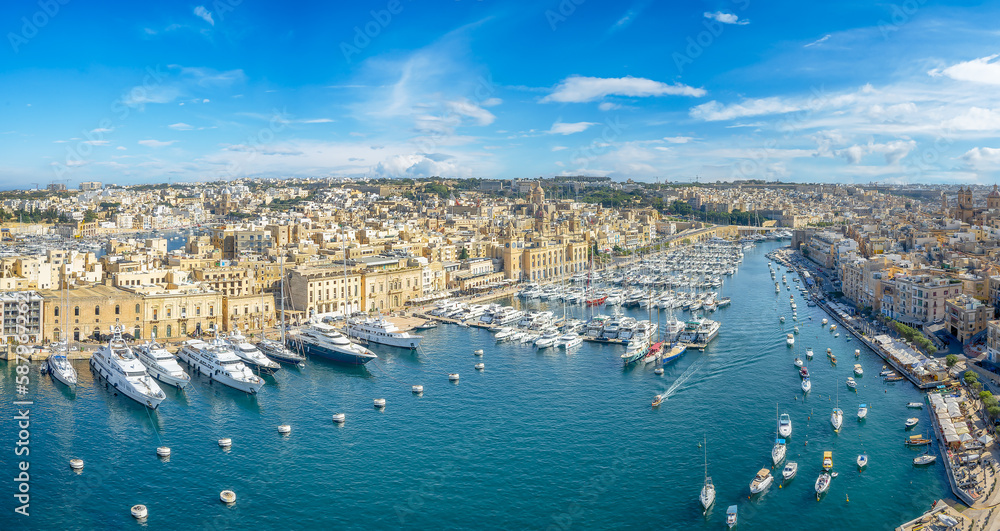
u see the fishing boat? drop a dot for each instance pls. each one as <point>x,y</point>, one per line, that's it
<point>798,362</point>
<point>924,459</point>
<point>917,440</point>
<point>827,460</point>
<point>858,371</point>
<point>862,461</point>
<point>731,516</point>
<point>806,385</point>
<point>761,481</point>
<point>822,484</point>
<point>911,422</point>
<point>785,425</point>
<point>707,496</point>
<point>851,382</point>
<point>862,411</point>
<point>915,405</point>
<point>789,471</point>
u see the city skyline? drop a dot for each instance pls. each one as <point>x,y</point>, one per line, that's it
<point>645,90</point>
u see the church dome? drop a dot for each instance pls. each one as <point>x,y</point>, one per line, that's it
<point>995,194</point>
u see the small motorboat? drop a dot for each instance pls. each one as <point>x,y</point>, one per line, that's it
<point>804,372</point>
<point>851,383</point>
<point>798,362</point>
<point>858,371</point>
<point>827,460</point>
<point>427,325</point>
<point>915,405</point>
<point>862,461</point>
<point>824,321</point>
<point>924,459</point>
<point>822,484</point>
<point>806,385</point>
<point>781,319</point>
<point>731,516</point>
<point>862,411</point>
<point>857,353</point>
<point>789,471</point>
<point>785,425</point>
<point>911,422</point>
<point>948,521</point>
<point>809,353</point>
<point>657,400</point>
<point>761,481</point>
<point>917,440</point>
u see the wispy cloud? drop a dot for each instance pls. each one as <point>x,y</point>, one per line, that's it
<point>982,70</point>
<point>726,18</point>
<point>821,40</point>
<point>180,126</point>
<point>156,143</point>
<point>204,14</point>
<point>561,128</point>
<point>581,89</point>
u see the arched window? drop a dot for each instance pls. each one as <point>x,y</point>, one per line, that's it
<point>168,315</point>
<point>155,330</point>
<point>76,334</point>
<point>118,310</point>
<point>76,311</point>
<point>184,328</point>
<point>137,333</point>
<point>97,310</point>
<point>57,311</point>
<point>155,312</point>
<point>169,330</point>
<point>137,310</point>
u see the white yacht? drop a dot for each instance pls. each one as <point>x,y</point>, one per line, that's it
<point>218,361</point>
<point>60,368</point>
<point>250,354</point>
<point>790,339</point>
<point>161,364</point>
<point>382,331</point>
<point>547,339</point>
<point>778,451</point>
<point>837,419</point>
<point>321,339</point>
<point>569,340</point>
<point>707,496</point>
<point>785,425</point>
<point>279,352</point>
<point>790,469</point>
<point>761,481</point>
<point>116,363</point>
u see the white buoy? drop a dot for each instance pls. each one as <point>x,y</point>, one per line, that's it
<point>163,451</point>
<point>478,352</point>
<point>284,429</point>
<point>480,366</point>
<point>658,370</point>
<point>225,443</point>
<point>453,377</point>
<point>380,403</point>
<point>339,418</point>
<point>418,389</point>
<point>139,511</point>
<point>76,464</point>
<point>227,496</point>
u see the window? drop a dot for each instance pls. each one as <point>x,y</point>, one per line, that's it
<point>169,331</point>
<point>169,311</point>
<point>57,311</point>
<point>137,310</point>
<point>97,310</point>
<point>137,334</point>
<point>76,311</point>
<point>211,311</point>
<point>155,330</point>
<point>118,310</point>
<point>197,310</point>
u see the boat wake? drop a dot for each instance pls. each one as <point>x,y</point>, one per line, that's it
<point>684,377</point>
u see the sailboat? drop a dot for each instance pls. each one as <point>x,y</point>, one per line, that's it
<point>707,496</point>
<point>58,363</point>
<point>837,417</point>
<point>277,350</point>
<point>778,450</point>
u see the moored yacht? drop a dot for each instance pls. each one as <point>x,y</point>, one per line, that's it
<point>323,340</point>
<point>382,331</point>
<point>790,339</point>
<point>635,350</point>
<point>61,369</point>
<point>785,425</point>
<point>837,419</point>
<point>161,364</point>
<point>118,365</point>
<point>778,451</point>
<point>789,471</point>
<point>250,354</point>
<point>218,361</point>
<point>279,352</point>
<point>761,481</point>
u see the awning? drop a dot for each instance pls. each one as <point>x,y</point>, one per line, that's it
<point>985,439</point>
<point>950,438</point>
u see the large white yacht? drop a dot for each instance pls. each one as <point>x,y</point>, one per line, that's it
<point>250,354</point>
<point>382,331</point>
<point>218,361</point>
<point>323,340</point>
<point>117,364</point>
<point>161,364</point>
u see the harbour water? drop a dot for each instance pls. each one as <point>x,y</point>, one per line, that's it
<point>540,439</point>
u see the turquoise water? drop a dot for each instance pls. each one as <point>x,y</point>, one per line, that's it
<point>540,439</point>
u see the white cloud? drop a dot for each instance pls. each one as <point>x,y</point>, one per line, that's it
<point>982,70</point>
<point>608,106</point>
<point>714,111</point>
<point>982,158</point>
<point>678,139</point>
<point>95,142</point>
<point>559,148</point>
<point>204,14</point>
<point>102,130</point>
<point>180,126</point>
<point>821,40</point>
<point>893,151</point>
<point>974,119</point>
<point>471,110</point>
<point>560,128</point>
<point>581,89</point>
<point>121,148</point>
<point>726,18</point>
<point>315,121</point>
<point>491,102</point>
<point>156,143</point>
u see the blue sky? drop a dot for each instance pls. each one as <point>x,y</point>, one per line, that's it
<point>126,92</point>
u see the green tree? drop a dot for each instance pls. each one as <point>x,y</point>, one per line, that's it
<point>950,360</point>
<point>969,377</point>
<point>463,254</point>
<point>994,411</point>
<point>89,216</point>
<point>983,395</point>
